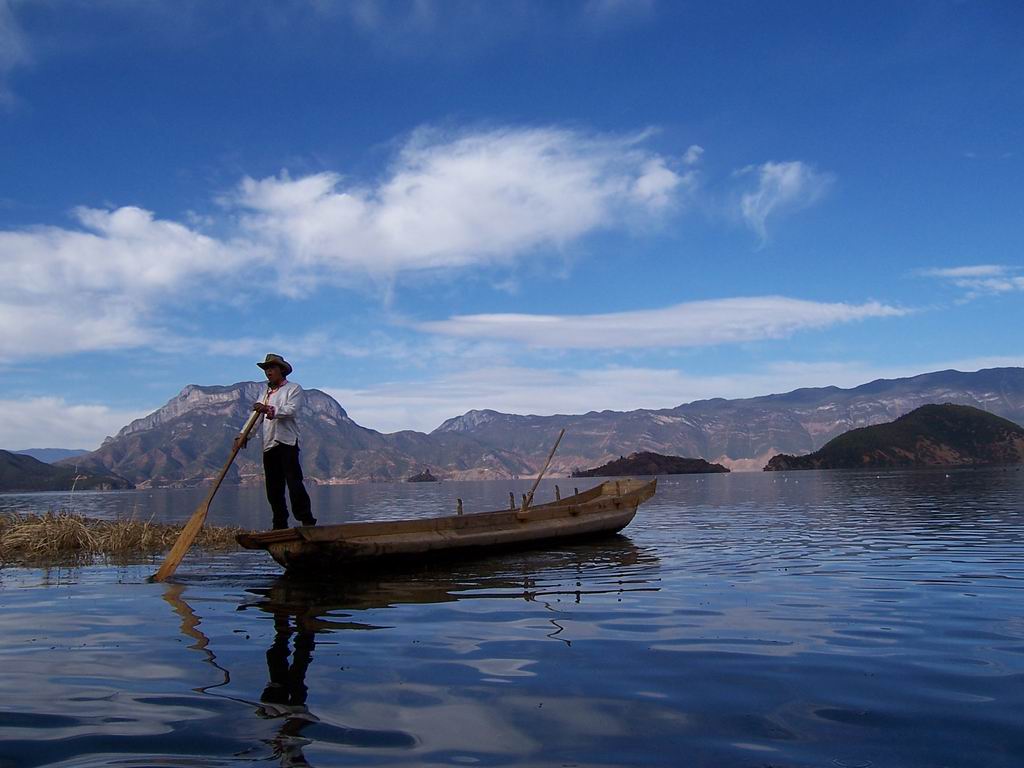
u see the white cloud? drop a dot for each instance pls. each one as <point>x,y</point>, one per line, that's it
<point>657,184</point>
<point>95,288</point>
<point>52,422</point>
<point>448,202</point>
<point>980,279</point>
<point>977,270</point>
<point>781,188</point>
<point>693,154</point>
<point>318,346</point>
<point>67,324</point>
<point>692,324</point>
<point>14,49</point>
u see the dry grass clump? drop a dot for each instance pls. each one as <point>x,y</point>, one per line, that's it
<point>66,537</point>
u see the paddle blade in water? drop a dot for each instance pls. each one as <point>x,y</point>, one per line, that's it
<point>181,546</point>
<point>195,523</point>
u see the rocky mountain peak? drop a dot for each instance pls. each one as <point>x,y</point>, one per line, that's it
<point>471,420</point>
<point>184,443</point>
<point>216,400</point>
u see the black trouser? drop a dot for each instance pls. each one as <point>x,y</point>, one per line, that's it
<point>288,683</point>
<point>281,467</point>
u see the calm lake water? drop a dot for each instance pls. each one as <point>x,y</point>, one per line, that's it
<point>800,619</point>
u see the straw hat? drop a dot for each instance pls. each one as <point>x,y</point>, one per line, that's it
<point>277,360</point>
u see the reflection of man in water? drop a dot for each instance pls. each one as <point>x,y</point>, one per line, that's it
<point>285,694</point>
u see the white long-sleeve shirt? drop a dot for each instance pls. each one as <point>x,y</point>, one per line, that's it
<point>280,426</point>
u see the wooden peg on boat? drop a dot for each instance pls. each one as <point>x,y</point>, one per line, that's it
<point>558,494</point>
<point>458,507</point>
<point>521,513</point>
<point>511,501</point>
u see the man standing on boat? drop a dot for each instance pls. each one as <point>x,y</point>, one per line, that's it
<point>281,466</point>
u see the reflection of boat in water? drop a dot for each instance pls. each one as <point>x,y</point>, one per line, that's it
<point>284,696</point>
<point>292,716</point>
<point>606,508</point>
<point>613,565</point>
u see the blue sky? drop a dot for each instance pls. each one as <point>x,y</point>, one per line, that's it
<point>534,207</point>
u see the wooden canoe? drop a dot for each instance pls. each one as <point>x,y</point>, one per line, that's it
<point>606,508</point>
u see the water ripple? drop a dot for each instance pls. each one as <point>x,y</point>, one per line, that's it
<point>804,619</point>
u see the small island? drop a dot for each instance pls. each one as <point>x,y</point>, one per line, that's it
<point>19,472</point>
<point>930,436</point>
<point>422,477</point>
<point>647,463</point>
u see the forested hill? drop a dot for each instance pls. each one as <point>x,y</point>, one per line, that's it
<point>23,473</point>
<point>933,435</point>
<point>647,463</point>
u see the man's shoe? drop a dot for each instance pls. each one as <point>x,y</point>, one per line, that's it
<point>310,522</point>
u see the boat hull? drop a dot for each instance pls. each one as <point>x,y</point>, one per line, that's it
<point>605,509</point>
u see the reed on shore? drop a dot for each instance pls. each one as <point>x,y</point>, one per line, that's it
<point>67,538</point>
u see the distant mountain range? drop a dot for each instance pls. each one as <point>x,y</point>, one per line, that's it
<point>51,455</point>
<point>932,435</point>
<point>24,473</point>
<point>742,434</point>
<point>187,441</point>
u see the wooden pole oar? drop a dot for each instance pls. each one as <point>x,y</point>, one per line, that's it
<point>528,499</point>
<point>195,523</point>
